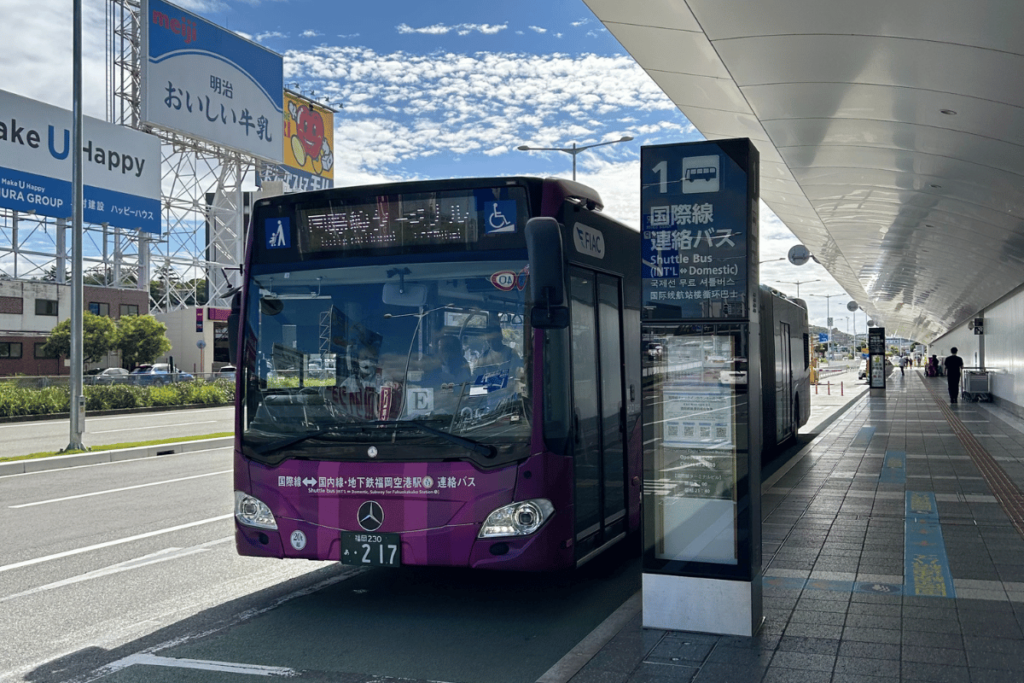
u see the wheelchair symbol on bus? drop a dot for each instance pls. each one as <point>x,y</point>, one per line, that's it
<point>501,217</point>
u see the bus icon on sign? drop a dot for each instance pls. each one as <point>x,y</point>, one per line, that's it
<point>700,174</point>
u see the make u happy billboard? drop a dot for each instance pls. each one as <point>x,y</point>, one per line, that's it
<point>207,82</point>
<point>120,166</point>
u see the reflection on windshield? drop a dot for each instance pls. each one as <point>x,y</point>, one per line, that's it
<point>444,342</point>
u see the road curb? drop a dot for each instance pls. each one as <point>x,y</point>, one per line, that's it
<point>56,462</point>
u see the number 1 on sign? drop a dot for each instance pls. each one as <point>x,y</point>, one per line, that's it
<point>662,170</point>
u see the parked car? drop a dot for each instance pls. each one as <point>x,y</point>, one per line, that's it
<point>227,372</point>
<point>108,376</point>
<point>157,374</point>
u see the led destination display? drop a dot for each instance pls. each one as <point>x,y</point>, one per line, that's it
<point>413,220</point>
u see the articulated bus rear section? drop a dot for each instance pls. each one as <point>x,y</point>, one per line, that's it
<point>785,371</point>
<point>426,376</point>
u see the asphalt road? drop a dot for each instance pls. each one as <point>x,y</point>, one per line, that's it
<point>127,572</point>
<point>22,438</point>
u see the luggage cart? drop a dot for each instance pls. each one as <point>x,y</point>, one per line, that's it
<point>976,384</point>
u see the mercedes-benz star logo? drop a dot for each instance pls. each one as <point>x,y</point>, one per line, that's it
<point>370,515</point>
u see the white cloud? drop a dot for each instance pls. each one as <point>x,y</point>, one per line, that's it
<point>260,37</point>
<point>38,55</point>
<point>538,29</point>
<point>400,107</point>
<point>459,29</point>
<point>310,33</point>
<point>581,22</point>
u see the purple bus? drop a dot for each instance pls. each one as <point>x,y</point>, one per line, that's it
<point>438,373</point>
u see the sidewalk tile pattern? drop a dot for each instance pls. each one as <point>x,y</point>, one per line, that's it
<point>840,603</point>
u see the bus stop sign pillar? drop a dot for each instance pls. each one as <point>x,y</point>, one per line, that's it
<point>876,360</point>
<point>702,439</point>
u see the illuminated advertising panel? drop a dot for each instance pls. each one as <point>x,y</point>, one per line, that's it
<point>207,82</point>
<point>120,166</point>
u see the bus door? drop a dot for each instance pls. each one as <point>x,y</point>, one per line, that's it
<point>599,465</point>
<point>783,382</point>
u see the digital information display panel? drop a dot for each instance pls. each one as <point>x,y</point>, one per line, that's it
<point>693,436</point>
<point>876,357</point>
<point>413,220</point>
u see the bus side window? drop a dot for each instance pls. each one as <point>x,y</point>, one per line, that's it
<point>557,409</point>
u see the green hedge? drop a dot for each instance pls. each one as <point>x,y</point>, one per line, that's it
<point>15,400</point>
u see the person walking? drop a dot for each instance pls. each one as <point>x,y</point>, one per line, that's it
<point>954,364</point>
<point>903,365</point>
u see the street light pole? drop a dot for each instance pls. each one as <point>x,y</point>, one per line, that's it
<point>797,283</point>
<point>77,395</point>
<point>574,150</point>
<point>828,317</point>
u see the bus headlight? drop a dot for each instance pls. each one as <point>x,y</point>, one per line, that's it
<point>253,512</point>
<point>517,519</point>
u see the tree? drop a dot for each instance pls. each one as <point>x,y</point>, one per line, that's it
<point>98,337</point>
<point>50,274</point>
<point>141,339</point>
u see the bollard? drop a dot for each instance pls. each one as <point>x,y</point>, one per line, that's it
<point>841,389</point>
<point>829,387</point>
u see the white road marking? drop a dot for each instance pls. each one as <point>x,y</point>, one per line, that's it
<point>239,618</point>
<point>144,561</point>
<point>179,424</point>
<point>204,664</point>
<point>126,488</point>
<point>107,544</point>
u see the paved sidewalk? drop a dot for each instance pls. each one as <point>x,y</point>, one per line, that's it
<point>830,395</point>
<point>893,551</point>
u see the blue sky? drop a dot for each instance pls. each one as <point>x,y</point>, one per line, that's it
<point>433,89</point>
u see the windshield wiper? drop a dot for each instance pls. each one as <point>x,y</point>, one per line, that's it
<point>299,438</point>
<point>475,446</point>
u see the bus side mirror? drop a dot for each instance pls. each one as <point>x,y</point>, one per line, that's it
<point>547,274</point>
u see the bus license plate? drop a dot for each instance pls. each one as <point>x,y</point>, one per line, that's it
<point>371,549</point>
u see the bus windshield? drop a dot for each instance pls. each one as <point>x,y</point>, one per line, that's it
<point>416,352</point>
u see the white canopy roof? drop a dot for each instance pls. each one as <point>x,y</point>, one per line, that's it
<point>891,133</point>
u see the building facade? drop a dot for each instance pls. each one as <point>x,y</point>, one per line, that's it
<point>29,310</point>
